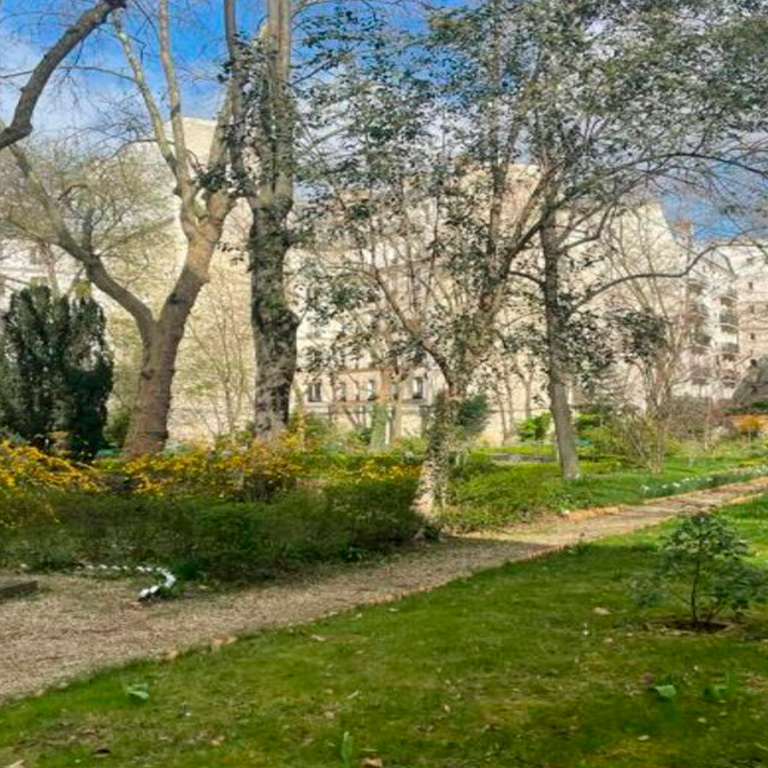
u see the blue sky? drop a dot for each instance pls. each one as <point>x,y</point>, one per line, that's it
<point>84,98</point>
<point>82,93</point>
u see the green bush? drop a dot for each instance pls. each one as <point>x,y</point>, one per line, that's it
<point>472,417</point>
<point>409,445</point>
<point>588,421</point>
<point>203,538</point>
<point>116,431</point>
<point>57,371</point>
<point>536,428</point>
<point>702,563</point>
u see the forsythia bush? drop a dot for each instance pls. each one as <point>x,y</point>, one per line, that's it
<point>23,468</point>
<point>237,472</point>
<point>235,512</point>
<point>228,471</point>
<point>372,470</point>
<point>751,425</point>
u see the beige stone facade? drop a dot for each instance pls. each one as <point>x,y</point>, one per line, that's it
<point>725,296</point>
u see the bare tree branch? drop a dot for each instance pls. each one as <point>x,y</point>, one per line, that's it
<point>21,124</point>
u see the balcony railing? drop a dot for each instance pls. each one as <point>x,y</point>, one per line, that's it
<point>699,308</point>
<point>730,319</point>
<point>701,340</point>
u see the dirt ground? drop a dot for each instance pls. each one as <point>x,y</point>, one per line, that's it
<point>76,624</point>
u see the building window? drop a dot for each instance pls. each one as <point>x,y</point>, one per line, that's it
<point>370,389</point>
<point>313,293</point>
<point>38,281</point>
<point>752,336</point>
<point>3,285</point>
<point>751,309</point>
<point>341,391</point>
<point>418,388</point>
<point>751,286</point>
<point>315,392</point>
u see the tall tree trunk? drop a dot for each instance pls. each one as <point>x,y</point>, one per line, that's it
<point>380,411</point>
<point>432,488</point>
<point>528,399</point>
<point>396,419</point>
<point>275,326</point>
<point>148,429</point>
<point>333,407</point>
<point>266,126</point>
<point>557,387</point>
<point>504,417</point>
<point>565,432</point>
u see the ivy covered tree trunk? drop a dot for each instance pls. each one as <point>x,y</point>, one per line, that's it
<point>557,385</point>
<point>275,327</point>
<point>264,121</point>
<point>432,489</point>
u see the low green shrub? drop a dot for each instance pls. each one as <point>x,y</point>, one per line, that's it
<point>535,428</point>
<point>203,538</point>
<point>703,564</point>
<point>472,418</point>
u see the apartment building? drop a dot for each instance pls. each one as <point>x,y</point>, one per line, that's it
<point>713,357</point>
<point>718,313</point>
<point>749,259</point>
<point>27,264</point>
<point>721,308</point>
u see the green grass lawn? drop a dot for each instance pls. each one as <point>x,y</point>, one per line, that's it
<point>499,496</point>
<point>510,668</point>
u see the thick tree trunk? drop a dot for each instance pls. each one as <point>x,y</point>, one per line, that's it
<point>270,197</point>
<point>555,319</point>
<point>148,429</point>
<point>274,329</point>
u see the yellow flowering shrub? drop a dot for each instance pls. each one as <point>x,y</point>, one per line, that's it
<point>371,469</point>
<point>751,425</point>
<point>228,471</point>
<point>23,468</point>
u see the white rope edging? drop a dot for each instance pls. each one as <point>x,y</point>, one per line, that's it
<point>155,590</point>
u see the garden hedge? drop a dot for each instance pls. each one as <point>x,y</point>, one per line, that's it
<point>202,537</point>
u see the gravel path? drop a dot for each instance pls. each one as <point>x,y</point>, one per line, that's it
<point>76,625</point>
